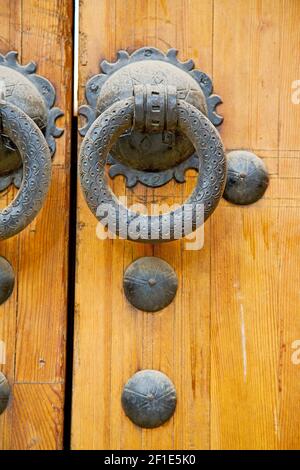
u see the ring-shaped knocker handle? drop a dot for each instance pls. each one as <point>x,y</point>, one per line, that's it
<point>210,183</point>
<point>35,154</point>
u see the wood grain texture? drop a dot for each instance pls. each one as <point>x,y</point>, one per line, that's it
<point>254,270</point>
<point>227,339</point>
<point>37,421</point>
<point>33,320</point>
<point>126,340</point>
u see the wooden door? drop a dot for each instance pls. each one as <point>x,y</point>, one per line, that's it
<point>33,320</point>
<point>230,340</point>
<point>227,340</point>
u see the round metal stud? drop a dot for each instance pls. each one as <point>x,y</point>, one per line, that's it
<point>149,398</point>
<point>150,283</point>
<point>7,279</point>
<point>4,392</point>
<point>247,178</point>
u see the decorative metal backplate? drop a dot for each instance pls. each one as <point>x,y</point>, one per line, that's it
<point>150,284</point>
<point>4,392</point>
<point>151,159</point>
<point>34,95</point>
<point>247,178</point>
<point>152,179</point>
<point>7,279</point>
<point>149,398</point>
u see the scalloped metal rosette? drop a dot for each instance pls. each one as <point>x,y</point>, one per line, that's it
<point>33,94</point>
<point>116,81</point>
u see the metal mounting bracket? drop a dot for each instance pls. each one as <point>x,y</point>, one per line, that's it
<point>151,155</point>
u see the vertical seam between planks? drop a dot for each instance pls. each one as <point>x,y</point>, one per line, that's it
<point>71,252</point>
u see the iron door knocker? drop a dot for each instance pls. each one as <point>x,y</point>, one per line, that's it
<point>27,132</point>
<point>147,114</point>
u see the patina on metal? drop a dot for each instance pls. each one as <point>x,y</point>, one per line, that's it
<point>150,284</point>
<point>95,148</point>
<point>4,392</point>
<point>21,87</point>
<point>7,279</point>
<point>247,178</point>
<point>27,140</point>
<point>149,398</point>
<point>151,151</point>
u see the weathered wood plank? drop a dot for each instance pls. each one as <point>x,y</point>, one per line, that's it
<point>33,321</point>
<point>226,341</point>
<point>254,250</point>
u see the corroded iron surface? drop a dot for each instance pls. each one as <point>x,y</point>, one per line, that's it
<point>35,96</point>
<point>210,183</point>
<point>36,160</point>
<point>7,279</point>
<point>149,398</point>
<point>152,179</point>
<point>247,178</point>
<point>153,149</point>
<point>150,283</point>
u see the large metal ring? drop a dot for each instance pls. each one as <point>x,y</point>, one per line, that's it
<point>34,151</point>
<point>210,183</point>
